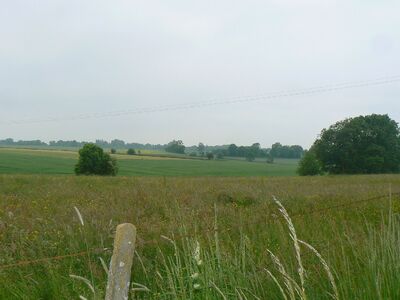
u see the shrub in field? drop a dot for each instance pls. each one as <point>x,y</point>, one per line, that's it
<point>131,151</point>
<point>94,161</point>
<point>113,151</point>
<point>309,165</point>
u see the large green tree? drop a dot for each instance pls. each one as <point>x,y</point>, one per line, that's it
<point>364,144</point>
<point>94,161</point>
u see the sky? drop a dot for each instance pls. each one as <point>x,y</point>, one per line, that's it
<point>66,58</point>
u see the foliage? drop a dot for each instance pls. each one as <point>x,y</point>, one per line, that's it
<point>113,151</point>
<point>219,155</point>
<point>277,151</point>
<point>280,151</point>
<point>244,151</point>
<point>309,165</point>
<point>94,161</point>
<point>365,144</point>
<point>131,151</point>
<point>11,142</point>
<point>210,155</point>
<point>250,156</point>
<point>175,147</point>
<point>201,148</point>
<point>115,143</point>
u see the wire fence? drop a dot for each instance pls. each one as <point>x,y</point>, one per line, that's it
<point>177,237</point>
<point>47,259</point>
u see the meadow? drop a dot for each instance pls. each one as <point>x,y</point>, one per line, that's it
<point>202,237</point>
<point>40,161</point>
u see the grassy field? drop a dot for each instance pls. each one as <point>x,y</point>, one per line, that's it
<point>28,161</point>
<point>232,221</point>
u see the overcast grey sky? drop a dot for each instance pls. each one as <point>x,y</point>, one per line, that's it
<point>65,58</point>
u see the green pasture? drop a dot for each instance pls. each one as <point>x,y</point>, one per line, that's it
<point>28,161</point>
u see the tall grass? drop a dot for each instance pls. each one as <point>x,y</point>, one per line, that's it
<point>223,237</point>
<point>192,271</point>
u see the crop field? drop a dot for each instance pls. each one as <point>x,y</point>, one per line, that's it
<point>28,161</point>
<point>202,238</point>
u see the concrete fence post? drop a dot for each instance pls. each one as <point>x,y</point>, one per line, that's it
<point>119,274</point>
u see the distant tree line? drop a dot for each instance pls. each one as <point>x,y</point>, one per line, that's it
<point>11,142</point>
<point>202,149</point>
<point>246,151</point>
<point>285,151</point>
<point>120,144</point>
<point>276,151</point>
<point>176,146</point>
<point>114,144</point>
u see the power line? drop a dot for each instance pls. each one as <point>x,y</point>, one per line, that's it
<point>217,101</point>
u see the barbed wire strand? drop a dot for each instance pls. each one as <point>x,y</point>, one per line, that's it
<point>45,259</point>
<point>180,236</point>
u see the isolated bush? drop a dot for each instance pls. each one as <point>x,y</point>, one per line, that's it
<point>94,161</point>
<point>131,151</point>
<point>210,156</point>
<point>113,151</point>
<point>309,165</point>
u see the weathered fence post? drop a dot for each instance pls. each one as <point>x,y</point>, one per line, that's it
<point>119,274</point>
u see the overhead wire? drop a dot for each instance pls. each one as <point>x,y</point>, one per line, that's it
<point>214,101</point>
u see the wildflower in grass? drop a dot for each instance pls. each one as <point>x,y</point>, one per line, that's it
<point>197,259</point>
<point>196,254</point>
